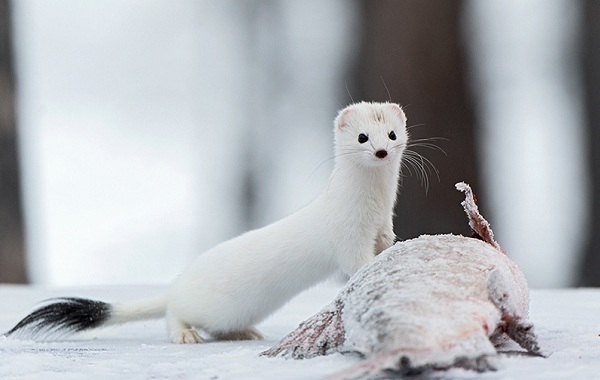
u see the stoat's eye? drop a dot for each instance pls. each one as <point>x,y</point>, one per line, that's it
<point>362,138</point>
<point>392,135</point>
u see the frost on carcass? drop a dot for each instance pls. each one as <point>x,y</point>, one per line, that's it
<point>316,336</point>
<point>430,303</point>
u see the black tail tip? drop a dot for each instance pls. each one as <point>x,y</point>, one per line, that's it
<point>66,315</point>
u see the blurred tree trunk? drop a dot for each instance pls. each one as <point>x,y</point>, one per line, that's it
<point>416,48</point>
<point>12,258</point>
<point>590,58</point>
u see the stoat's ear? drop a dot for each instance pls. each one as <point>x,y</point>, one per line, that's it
<point>341,121</point>
<point>397,110</point>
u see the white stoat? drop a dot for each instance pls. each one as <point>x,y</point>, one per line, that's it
<point>230,288</point>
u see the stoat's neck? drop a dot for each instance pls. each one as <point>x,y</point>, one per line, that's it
<point>355,185</point>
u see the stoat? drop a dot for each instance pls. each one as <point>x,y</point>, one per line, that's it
<point>230,288</point>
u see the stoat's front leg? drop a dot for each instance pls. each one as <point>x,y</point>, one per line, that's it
<point>385,238</point>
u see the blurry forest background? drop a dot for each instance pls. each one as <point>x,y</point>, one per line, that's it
<point>136,134</point>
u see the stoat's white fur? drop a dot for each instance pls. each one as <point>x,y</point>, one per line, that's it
<point>233,286</point>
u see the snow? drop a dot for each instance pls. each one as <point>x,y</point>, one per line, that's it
<point>567,323</point>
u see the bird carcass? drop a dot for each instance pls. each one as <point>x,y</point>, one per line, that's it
<point>430,303</point>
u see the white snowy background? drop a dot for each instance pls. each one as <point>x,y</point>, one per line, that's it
<point>144,123</point>
<point>524,56</point>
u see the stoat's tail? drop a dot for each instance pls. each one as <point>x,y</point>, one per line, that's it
<point>69,315</point>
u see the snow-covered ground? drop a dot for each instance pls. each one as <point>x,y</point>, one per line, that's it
<point>567,323</point>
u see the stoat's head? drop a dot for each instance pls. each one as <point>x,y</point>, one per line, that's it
<point>371,134</point>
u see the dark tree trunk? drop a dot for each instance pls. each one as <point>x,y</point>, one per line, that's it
<point>416,48</point>
<point>590,58</point>
<point>12,258</point>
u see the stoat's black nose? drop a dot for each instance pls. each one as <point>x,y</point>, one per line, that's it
<point>381,153</point>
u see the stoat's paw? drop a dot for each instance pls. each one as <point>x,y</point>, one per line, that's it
<point>252,334</point>
<point>186,336</point>
<point>248,334</point>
